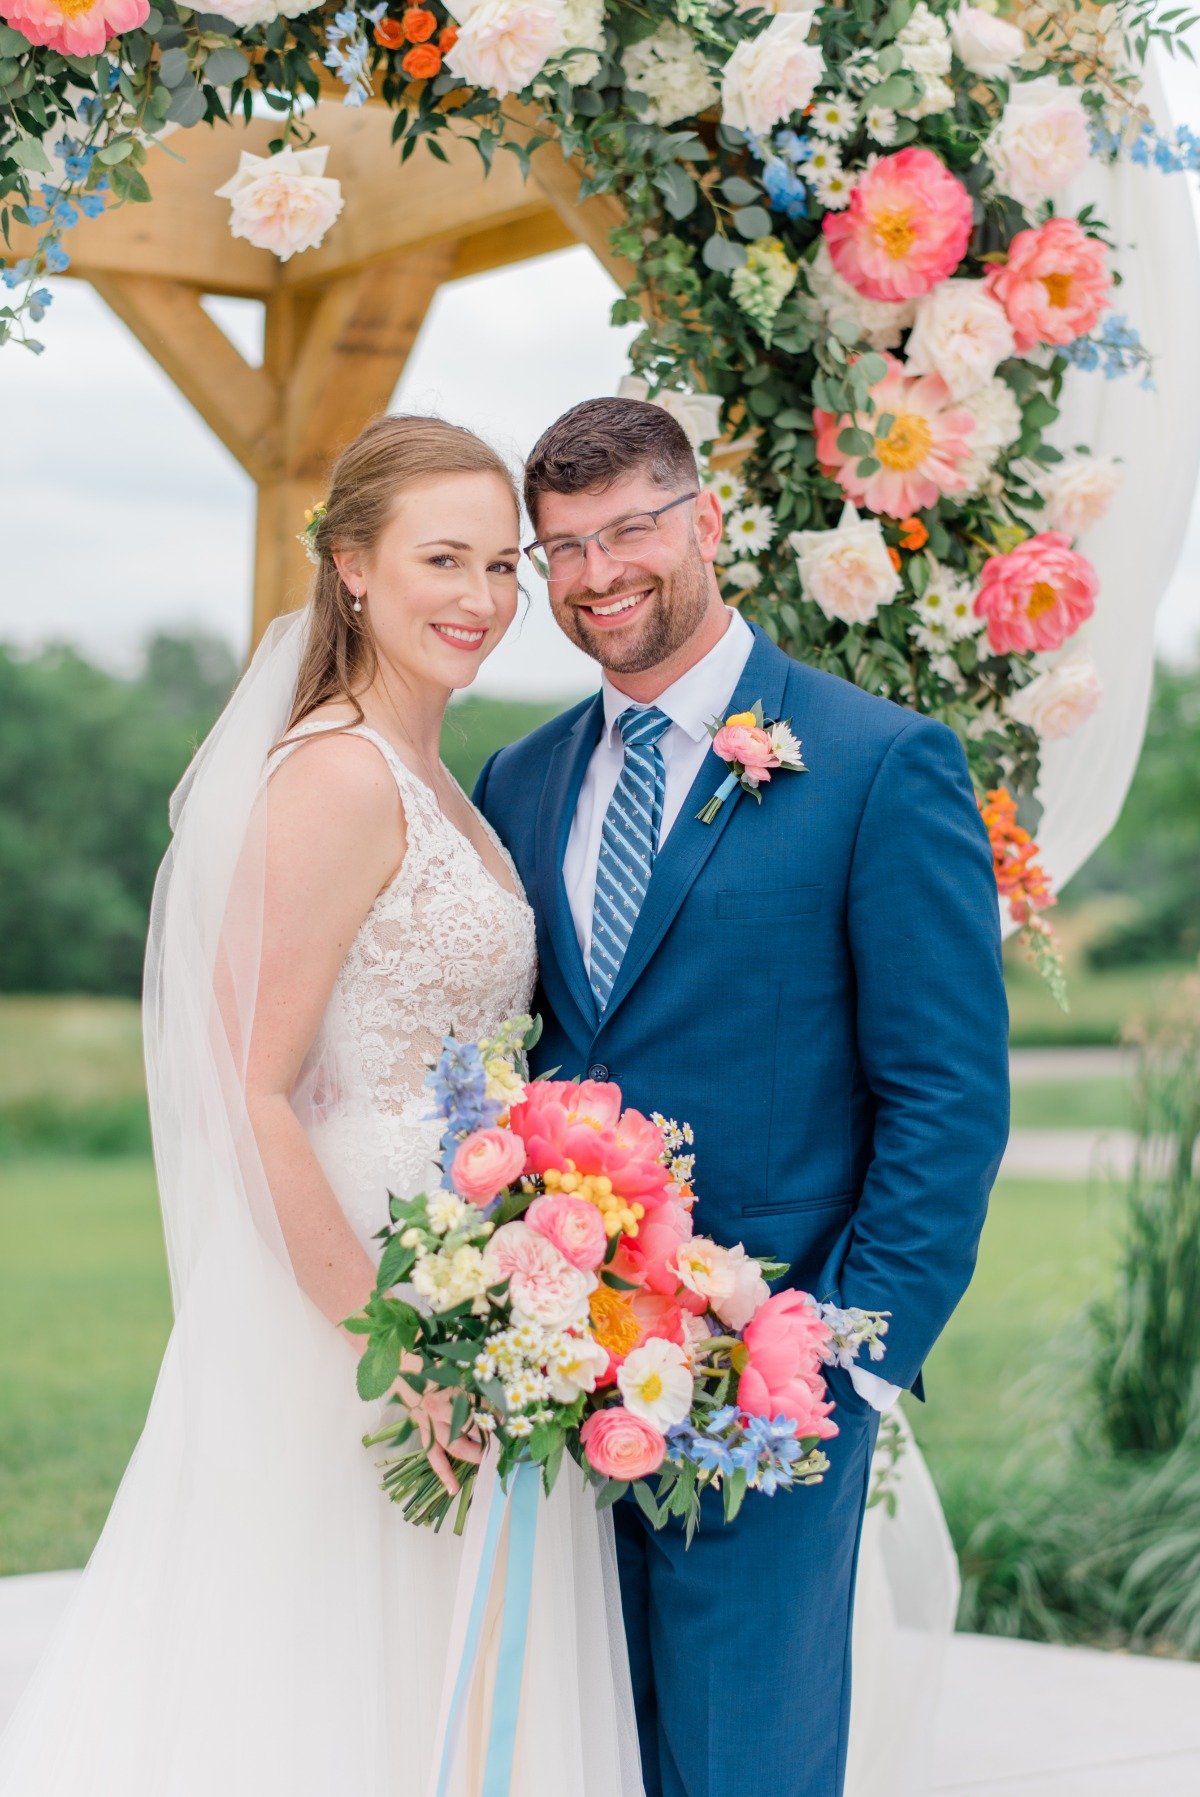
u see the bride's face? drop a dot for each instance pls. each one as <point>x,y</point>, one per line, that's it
<point>441,583</point>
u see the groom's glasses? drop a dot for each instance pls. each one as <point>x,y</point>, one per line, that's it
<point>562,558</point>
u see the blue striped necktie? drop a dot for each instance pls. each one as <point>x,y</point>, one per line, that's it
<point>628,844</point>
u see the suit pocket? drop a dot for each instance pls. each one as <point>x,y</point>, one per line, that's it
<point>764,904</point>
<point>832,1201</point>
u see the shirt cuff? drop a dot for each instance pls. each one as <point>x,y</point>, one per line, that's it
<point>878,1393</point>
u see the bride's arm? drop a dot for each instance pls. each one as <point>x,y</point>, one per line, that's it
<point>335,837</point>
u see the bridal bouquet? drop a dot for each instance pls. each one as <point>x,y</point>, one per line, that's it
<point>554,1294</point>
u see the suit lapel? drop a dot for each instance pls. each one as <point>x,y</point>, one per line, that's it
<point>690,843</point>
<point>560,795</point>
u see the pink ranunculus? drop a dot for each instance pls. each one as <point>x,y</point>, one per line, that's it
<point>574,1226</point>
<point>650,1256</point>
<point>74,29</point>
<point>783,1374</point>
<point>922,454</point>
<point>1055,284</point>
<point>620,1445</point>
<point>542,1283</point>
<point>486,1162</point>
<point>1037,595</point>
<point>750,746</point>
<point>906,228</point>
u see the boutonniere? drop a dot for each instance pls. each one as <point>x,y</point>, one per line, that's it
<point>754,750</point>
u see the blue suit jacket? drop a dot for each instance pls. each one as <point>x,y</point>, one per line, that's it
<point>813,982</point>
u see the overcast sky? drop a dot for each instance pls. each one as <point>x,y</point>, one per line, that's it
<point>122,512</point>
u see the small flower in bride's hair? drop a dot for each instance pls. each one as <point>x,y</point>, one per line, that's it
<point>307,538</point>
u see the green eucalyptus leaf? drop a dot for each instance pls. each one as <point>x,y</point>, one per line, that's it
<point>853,441</point>
<point>173,68</point>
<point>722,256</point>
<point>187,107</point>
<point>740,192</point>
<point>29,152</point>
<point>753,221</point>
<point>679,191</point>
<point>116,152</point>
<point>222,67</point>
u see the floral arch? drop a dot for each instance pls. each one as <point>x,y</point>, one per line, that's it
<point>852,234</point>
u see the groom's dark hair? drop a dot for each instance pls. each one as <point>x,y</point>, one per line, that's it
<point>598,441</point>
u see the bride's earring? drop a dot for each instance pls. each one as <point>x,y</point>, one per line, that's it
<point>357,606</point>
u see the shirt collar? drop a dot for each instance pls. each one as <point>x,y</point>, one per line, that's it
<point>698,696</point>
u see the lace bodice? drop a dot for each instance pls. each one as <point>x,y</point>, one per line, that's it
<point>445,949</point>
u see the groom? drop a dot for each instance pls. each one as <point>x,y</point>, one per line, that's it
<point>814,983</point>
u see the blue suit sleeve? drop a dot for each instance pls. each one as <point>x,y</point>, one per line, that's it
<point>932,1020</point>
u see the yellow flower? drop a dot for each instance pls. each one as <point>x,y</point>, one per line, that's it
<point>741,717</point>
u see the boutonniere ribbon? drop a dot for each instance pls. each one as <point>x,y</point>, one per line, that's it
<point>754,751</point>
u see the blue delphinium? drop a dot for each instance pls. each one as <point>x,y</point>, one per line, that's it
<point>349,50</point>
<point>1115,349</point>
<point>764,1448</point>
<point>459,1087</point>
<point>785,189</point>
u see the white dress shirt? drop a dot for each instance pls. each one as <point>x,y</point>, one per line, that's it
<point>691,703</point>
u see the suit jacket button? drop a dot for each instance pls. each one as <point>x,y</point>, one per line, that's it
<point>599,1071</point>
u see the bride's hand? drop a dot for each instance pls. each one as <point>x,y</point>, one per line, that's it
<point>431,1411</point>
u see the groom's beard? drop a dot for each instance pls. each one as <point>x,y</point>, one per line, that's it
<point>669,617</point>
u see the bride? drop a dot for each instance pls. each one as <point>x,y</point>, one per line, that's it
<point>256,1618</point>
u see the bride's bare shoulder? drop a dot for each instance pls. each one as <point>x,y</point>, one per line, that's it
<point>329,772</point>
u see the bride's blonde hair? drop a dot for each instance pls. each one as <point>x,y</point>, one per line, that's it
<point>389,454</point>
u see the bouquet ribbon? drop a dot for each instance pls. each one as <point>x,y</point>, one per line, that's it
<point>491,1503</point>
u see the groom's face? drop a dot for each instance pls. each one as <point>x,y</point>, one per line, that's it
<point>631,616</point>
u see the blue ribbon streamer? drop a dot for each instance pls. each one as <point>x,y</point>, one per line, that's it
<point>518,1586</point>
<point>520,1501</point>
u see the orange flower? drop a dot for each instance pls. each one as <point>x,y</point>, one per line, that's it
<point>419,24</point>
<point>913,534</point>
<point>389,33</point>
<point>894,557</point>
<point>448,39</point>
<point>422,62</point>
<point>1019,878</point>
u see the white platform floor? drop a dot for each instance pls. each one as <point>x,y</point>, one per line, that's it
<point>1017,1720</point>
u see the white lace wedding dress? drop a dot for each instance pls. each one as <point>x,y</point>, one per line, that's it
<point>256,1617</point>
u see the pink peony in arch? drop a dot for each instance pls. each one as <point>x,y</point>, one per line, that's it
<point>920,456</point>
<point>78,28</point>
<point>906,228</point>
<point>1055,284</point>
<point>1037,595</point>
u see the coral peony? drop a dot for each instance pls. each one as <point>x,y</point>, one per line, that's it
<point>579,1124</point>
<point>75,27</point>
<point>542,1284</point>
<point>649,1256</point>
<point>1054,285</point>
<point>485,1163</point>
<point>573,1226</point>
<point>622,1321</point>
<point>920,456</point>
<point>782,1375</point>
<point>620,1445</point>
<point>906,228</point>
<point>1037,595</point>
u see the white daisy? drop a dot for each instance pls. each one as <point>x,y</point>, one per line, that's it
<point>727,487</point>
<point>881,124</point>
<point>833,116</point>
<point>823,160</point>
<point>945,608</point>
<point>751,529</point>
<point>834,190</point>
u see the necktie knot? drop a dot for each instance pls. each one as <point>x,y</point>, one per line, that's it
<point>642,726</point>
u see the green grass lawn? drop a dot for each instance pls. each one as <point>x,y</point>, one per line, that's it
<point>1102,1003</point>
<point>1073,1104</point>
<point>84,1317</point>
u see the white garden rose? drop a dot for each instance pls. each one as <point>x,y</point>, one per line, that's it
<point>699,414</point>
<point>1041,141</point>
<point>730,1281</point>
<point>1078,492</point>
<point>583,34</point>
<point>1056,703</point>
<point>986,45</point>
<point>504,44</point>
<point>771,76</point>
<point>656,1383</point>
<point>881,323</point>
<point>847,571</point>
<point>925,43</point>
<point>961,333</point>
<point>244,13</point>
<point>669,69</point>
<point>283,203</point>
<point>997,424</point>
<point>938,96</point>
